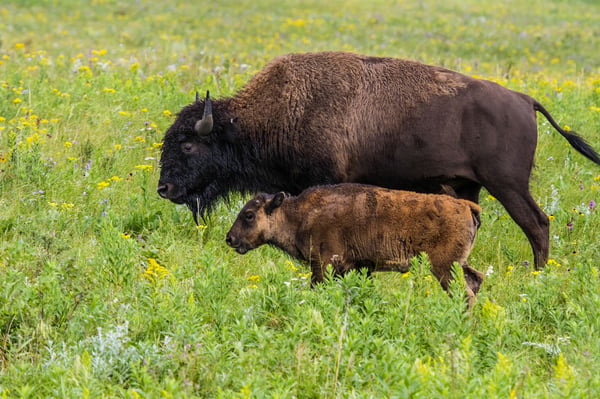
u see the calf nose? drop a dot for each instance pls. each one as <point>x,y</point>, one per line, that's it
<point>164,189</point>
<point>231,241</point>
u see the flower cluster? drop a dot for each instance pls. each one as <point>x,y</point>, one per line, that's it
<point>155,273</point>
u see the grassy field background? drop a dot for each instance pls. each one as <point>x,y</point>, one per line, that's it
<point>108,291</point>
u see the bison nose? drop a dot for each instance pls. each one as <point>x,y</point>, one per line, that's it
<point>164,189</point>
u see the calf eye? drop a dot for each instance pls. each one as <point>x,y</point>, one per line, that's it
<point>249,216</point>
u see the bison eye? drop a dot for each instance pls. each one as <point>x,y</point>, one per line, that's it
<point>187,147</point>
<point>249,216</point>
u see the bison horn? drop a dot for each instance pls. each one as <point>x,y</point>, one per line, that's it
<point>204,126</point>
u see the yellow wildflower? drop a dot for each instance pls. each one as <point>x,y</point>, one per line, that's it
<point>103,184</point>
<point>17,100</point>
<point>68,144</point>
<point>254,278</point>
<point>115,178</point>
<point>166,112</point>
<point>553,262</point>
<point>144,167</point>
<point>296,22</point>
<point>155,272</point>
<point>291,265</point>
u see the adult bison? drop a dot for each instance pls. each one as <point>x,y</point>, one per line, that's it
<point>323,118</point>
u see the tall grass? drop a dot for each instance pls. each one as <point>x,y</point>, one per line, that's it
<point>106,290</point>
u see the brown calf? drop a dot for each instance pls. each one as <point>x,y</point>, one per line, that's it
<point>352,226</point>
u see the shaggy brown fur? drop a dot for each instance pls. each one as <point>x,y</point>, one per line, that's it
<point>325,118</point>
<point>351,226</point>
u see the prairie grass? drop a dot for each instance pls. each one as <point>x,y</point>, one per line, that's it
<point>108,291</point>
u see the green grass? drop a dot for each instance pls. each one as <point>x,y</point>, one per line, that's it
<point>108,291</point>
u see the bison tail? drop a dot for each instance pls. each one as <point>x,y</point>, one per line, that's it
<point>575,140</point>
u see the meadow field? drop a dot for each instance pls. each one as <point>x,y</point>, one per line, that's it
<point>106,290</point>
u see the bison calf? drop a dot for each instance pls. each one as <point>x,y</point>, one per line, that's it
<point>352,226</point>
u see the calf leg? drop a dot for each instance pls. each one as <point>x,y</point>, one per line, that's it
<point>473,277</point>
<point>319,265</point>
<point>521,206</point>
<point>473,280</point>
<point>339,265</point>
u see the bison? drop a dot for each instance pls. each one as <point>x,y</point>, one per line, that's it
<point>352,226</point>
<point>333,117</point>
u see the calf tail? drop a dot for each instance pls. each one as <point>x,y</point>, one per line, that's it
<point>575,140</point>
<point>448,190</point>
<point>476,214</point>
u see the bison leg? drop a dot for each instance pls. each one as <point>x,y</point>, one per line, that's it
<point>469,191</point>
<point>521,206</point>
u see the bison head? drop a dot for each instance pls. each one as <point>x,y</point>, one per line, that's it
<point>252,226</point>
<point>200,160</point>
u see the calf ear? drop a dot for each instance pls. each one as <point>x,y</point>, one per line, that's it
<point>275,202</point>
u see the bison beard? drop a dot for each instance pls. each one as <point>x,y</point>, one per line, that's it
<point>325,118</point>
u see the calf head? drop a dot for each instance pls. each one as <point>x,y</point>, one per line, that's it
<point>254,224</point>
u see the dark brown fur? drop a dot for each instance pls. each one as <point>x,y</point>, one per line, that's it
<point>351,226</point>
<point>324,118</point>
